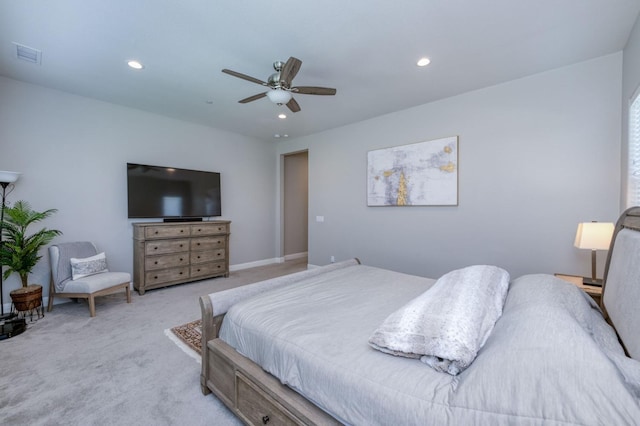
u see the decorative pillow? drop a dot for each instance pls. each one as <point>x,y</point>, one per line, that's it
<point>88,266</point>
<point>448,324</point>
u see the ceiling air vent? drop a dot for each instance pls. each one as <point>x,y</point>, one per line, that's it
<point>28,54</point>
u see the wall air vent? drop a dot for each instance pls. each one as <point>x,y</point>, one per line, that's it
<point>28,54</point>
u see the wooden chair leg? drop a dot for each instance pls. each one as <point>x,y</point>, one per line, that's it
<point>128,290</point>
<point>92,306</point>
<point>51,293</point>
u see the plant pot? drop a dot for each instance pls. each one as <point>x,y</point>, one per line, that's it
<point>27,298</point>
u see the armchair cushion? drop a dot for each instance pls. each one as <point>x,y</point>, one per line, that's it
<point>88,266</point>
<point>60,263</point>
<point>96,282</point>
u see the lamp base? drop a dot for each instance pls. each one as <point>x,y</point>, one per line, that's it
<point>590,281</point>
<point>12,328</point>
<point>7,316</point>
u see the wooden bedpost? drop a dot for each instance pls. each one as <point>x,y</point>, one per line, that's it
<point>208,333</point>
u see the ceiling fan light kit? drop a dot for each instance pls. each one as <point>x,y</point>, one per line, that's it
<point>280,85</point>
<point>279,96</point>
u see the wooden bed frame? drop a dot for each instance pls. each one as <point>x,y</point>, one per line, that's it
<point>257,397</point>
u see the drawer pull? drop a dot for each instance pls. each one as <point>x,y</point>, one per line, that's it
<point>181,245</point>
<point>156,232</point>
<point>198,269</point>
<point>199,230</point>
<point>181,231</point>
<point>155,263</point>
<point>181,259</point>
<point>180,273</point>
<point>265,420</point>
<point>197,244</point>
<point>155,278</point>
<point>155,248</point>
<point>219,254</point>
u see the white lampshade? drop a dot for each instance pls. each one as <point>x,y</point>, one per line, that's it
<point>279,96</point>
<point>594,235</point>
<point>8,177</point>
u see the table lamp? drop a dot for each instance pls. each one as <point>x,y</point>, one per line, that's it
<point>593,236</point>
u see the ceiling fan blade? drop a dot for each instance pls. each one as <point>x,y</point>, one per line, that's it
<point>289,71</point>
<point>244,77</point>
<point>312,90</point>
<point>293,105</point>
<point>253,98</point>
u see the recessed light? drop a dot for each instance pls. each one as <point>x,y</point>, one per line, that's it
<point>282,116</point>
<point>135,65</point>
<point>423,62</point>
<point>276,135</point>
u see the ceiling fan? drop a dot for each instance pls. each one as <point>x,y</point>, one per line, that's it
<point>280,85</point>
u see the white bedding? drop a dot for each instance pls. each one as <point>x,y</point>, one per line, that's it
<point>550,359</point>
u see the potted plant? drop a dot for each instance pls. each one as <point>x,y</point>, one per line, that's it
<point>19,252</point>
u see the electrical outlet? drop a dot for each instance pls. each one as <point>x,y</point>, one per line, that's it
<point>333,259</point>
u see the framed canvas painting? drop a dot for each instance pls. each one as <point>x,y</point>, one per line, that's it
<point>418,174</point>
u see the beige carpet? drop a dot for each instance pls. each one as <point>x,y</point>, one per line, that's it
<point>117,368</point>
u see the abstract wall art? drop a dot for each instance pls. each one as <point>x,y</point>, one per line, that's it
<point>418,174</point>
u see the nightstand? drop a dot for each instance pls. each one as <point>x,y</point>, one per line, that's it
<point>594,291</point>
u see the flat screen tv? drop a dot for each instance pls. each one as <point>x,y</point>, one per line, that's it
<point>171,193</point>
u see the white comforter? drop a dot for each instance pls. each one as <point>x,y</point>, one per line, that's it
<point>550,359</point>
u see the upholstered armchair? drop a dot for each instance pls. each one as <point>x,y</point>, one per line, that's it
<point>78,271</point>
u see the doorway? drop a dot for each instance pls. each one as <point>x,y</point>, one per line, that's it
<point>295,206</point>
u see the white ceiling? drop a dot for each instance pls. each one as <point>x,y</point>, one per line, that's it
<point>367,49</point>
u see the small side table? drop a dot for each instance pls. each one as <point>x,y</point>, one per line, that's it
<point>594,291</point>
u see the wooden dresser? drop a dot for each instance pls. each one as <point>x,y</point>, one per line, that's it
<point>171,253</point>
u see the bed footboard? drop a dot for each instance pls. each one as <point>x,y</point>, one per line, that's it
<point>209,328</point>
<point>254,395</point>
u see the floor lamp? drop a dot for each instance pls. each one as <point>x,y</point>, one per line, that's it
<point>8,327</point>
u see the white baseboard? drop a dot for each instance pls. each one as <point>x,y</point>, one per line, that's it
<point>296,255</point>
<point>248,265</point>
<point>265,262</point>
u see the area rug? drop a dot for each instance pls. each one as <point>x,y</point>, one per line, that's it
<point>188,338</point>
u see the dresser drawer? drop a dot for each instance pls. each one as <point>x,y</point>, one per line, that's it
<point>205,269</point>
<point>257,408</point>
<point>166,261</point>
<point>165,247</point>
<point>166,231</point>
<point>208,243</point>
<point>207,256</point>
<point>209,229</point>
<point>166,275</point>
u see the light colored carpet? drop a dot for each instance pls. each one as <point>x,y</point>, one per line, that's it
<point>117,368</point>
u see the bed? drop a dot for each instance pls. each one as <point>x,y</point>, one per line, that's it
<point>297,350</point>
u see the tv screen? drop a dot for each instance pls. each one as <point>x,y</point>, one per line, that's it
<point>172,193</point>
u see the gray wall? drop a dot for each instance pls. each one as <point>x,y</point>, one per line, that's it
<point>72,153</point>
<point>537,156</point>
<point>630,84</point>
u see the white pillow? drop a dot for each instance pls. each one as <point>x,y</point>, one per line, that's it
<point>448,324</point>
<point>88,266</point>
